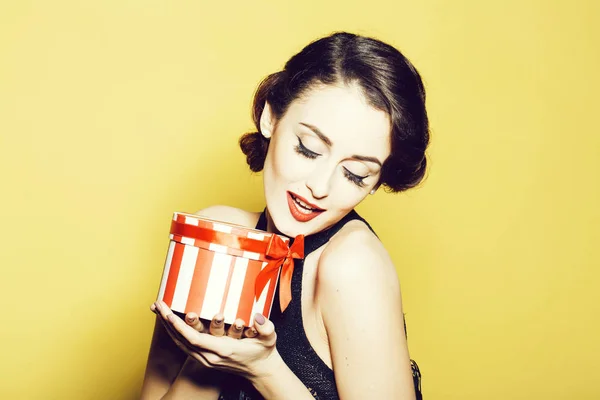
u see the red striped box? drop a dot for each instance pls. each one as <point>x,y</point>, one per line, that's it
<point>209,269</point>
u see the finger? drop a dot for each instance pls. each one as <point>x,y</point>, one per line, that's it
<point>217,325</point>
<point>192,320</point>
<point>162,309</point>
<point>170,321</point>
<point>193,339</point>
<point>265,329</point>
<point>236,329</point>
<point>250,332</point>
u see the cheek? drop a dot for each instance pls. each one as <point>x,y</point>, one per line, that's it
<point>346,196</point>
<point>288,165</point>
<point>292,169</point>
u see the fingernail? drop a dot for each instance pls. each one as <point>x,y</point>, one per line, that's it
<point>153,307</point>
<point>191,319</point>
<point>218,321</point>
<point>254,331</point>
<point>259,318</point>
<point>239,327</point>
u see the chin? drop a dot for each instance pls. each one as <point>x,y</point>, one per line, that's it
<point>285,224</point>
<point>290,227</point>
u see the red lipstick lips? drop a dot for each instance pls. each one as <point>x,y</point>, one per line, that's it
<point>302,210</point>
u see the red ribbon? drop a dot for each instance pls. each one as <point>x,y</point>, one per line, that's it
<point>280,255</point>
<point>211,236</point>
<point>276,251</point>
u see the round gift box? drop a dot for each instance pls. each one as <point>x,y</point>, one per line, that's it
<point>212,267</point>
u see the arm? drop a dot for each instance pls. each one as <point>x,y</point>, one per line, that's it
<point>164,363</point>
<point>171,374</point>
<point>195,381</point>
<point>359,297</point>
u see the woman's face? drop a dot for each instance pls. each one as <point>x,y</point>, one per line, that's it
<point>324,157</point>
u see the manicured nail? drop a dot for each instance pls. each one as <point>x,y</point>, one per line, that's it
<point>218,321</point>
<point>259,318</point>
<point>238,327</point>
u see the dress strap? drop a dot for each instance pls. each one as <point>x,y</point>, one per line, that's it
<point>316,240</point>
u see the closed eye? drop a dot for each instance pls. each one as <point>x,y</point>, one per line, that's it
<point>356,179</point>
<point>304,151</point>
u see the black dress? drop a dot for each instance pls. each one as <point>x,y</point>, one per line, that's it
<point>292,343</point>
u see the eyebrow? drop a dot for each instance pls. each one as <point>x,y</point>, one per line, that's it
<point>366,158</point>
<point>318,133</point>
<point>329,143</point>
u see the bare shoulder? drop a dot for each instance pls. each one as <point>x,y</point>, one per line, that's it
<point>358,298</point>
<point>356,261</point>
<point>357,281</point>
<point>230,215</point>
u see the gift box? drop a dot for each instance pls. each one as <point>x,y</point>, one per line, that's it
<point>214,267</point>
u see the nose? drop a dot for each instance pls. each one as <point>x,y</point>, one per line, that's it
<point>319,183</point>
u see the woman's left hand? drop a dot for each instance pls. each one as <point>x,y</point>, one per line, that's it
<point>249,357</point>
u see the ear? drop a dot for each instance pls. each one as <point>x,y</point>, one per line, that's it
<point>267,122</point>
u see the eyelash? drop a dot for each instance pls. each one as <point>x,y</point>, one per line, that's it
<point>302,150</point>
<point>358,180</point>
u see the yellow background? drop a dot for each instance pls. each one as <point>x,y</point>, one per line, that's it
<point>114,114</point>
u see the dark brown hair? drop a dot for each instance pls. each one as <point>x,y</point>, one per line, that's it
<point>387,79</point>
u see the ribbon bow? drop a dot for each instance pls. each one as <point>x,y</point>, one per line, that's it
<point>280,255</point>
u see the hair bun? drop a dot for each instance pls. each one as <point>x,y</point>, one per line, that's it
<point>254,145</point>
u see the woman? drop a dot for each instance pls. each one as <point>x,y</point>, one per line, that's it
<point>345,116</point>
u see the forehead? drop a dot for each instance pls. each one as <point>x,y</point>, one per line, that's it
<point>342,113</point>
